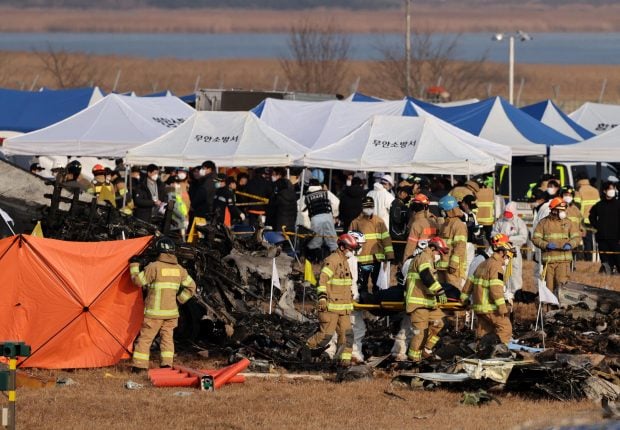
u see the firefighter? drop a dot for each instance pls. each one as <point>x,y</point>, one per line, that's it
<point>470,188</point>
<point>485,199</point>
<point>586,196</point>
<point>335,301</point>
<point>101,187</point>
<point>556,236</point>
<point>572,212</point>
<point>453,265</point>
<point>166,282</point>
<point>423,224</point>
<point>422,296</point>
<point>486,287</point>
<point>378,247</point>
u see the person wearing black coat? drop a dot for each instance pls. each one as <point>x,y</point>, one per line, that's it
<point>225,198</point>
<point>261,186</point>
<point>145,201</point>
<point>203,194</point>
<point>282,206</point>
<point>605,217</point>
<point>351,202</point>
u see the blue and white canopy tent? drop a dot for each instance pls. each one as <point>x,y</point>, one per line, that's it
<point>549,114</point>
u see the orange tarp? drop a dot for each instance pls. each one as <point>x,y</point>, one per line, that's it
<point>72,302</point>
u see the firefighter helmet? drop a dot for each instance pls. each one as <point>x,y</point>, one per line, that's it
<point>439,244</point>
<point>420,199</point>
<point>557,203</point>
<point>74,168</point>
<point>447,203</point>
<point>98,169</point>
<point>347,241</point>
<point>165,245</point>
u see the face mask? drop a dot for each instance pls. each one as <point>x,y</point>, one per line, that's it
<point>562,214</point>
<point>349,182</point>
<point>611,193</point>
<point>181,175</point>
<point>508,215</point>
<point>154,178</point>
<point>218,185</point>
<point>274,178</point>
<point>203,172</point>
<point>177,186</point>
<point>552,190</point>
<point>349,254</point>
<point>437,258</point>
<point>108,178</point>
<point>568,199</point>
<point>368,211</point>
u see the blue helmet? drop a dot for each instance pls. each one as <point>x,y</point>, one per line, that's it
<point>447,203</point>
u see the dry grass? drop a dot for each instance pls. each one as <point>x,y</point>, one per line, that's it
<point>578,83</point>
<point>446,16</point>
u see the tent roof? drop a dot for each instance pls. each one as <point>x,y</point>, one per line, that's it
<point>359,97</point>
<point>549,114</point>
<point>597,117</point>
<point>106,129</point>
<point>498,121</point>
<point>318,124</point>
<point>604,147</point>
<point>25,111</point>
<point>402,144</point>
<point>227,138</point>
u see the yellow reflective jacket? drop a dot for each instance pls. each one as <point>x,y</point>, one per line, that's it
<point>423,227</point>
<point>552,229</point>
<point>586,196</point>
<point>418,295</point>
<point>454,232</point>
<point>166,282</point>
<point>335,283</point>
<point>378,246</point>
<point>485,200</point>
<point>486,286</point>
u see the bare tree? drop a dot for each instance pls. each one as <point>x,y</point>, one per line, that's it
<point>432,63</point>
<point>318,57</point>
<point>67,69</point>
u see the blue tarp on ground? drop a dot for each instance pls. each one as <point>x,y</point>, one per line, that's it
<point>550,114</point>
<point>25,111</point>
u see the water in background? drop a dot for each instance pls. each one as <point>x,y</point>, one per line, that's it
<point>546,48</point>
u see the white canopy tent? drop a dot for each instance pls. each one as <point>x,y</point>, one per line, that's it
<point>402,145</point>
<point>604,147</point>
<point>226,138</point>
<point>108,128</point>
<point>597,117</point>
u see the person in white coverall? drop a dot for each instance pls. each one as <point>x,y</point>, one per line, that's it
<point>357,321</point>
<point>403,337</point>
<point>383,198</point>
<point>516,230</point>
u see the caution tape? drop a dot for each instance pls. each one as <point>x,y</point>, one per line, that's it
<point>252,196</point>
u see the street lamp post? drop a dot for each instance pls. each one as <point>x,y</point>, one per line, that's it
<point>524,37</point>
<point>408,47</point>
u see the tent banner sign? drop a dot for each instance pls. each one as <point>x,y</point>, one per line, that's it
<point>203,138</point>
<point>168,122</point>
<point>393,144</point>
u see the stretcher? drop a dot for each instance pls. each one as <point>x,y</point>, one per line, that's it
<point>400,306</point>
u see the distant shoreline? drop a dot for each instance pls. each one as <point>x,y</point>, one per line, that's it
<point>439,18</point>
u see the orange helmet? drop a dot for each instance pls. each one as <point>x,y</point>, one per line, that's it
<point>439,244</point>
<point>557,203</point>
<point>98,169</point>
<point>348,241</point>
<point>500,238</point>
<point>421,199</point>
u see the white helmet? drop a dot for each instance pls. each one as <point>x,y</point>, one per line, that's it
<point>359,236</point>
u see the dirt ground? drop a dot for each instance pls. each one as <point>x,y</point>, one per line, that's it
<point>99,400</point>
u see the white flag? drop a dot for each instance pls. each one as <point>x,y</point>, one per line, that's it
<point>275,279</point>
<point>7,218</point>
<point>545,295</point>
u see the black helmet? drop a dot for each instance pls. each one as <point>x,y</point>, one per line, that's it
<point>368,202</point>
<point>74,168</point>
<point>165,244</point>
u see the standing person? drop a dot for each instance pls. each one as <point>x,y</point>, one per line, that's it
<point>36,169</point>
<point>166,282</point>
<point>378,248</point>
<point>586,196</point>
<point>282,207</point>
<point>180,213</point>
<point>225,199</point>
<point>148,194</point>
<point>453,265</point>
<point>485,200</point>
<point>399,220</point>
<point>423,224</point>
<point>604,217</point>
<point>573,213</point>
<point>422,297</point>
<point>203,195</point>
<point>383,198</point>
<point>555,236</point>
<point>261,186</point>
<point>101,187</point>
<point>319,210</point>
<point>351,201</point>
<point>517,234</point>
<point>470,188</point>
<point>335,301</point>
<point>486,287</point>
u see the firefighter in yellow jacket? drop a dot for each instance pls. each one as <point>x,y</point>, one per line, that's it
<point>556,236</point>
<point>335,301</point>
<point>378,247</point>
<point>423,224</point>
<point>453,265</point>
<point>422,296</point>
<point>166,282</point>
<point>486,287</point>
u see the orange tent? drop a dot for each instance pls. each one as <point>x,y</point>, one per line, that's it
<point>72,302</point>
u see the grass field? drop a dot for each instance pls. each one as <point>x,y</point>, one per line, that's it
<point>101,401</point>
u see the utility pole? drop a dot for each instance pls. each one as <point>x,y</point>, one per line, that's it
<point>408,47</point>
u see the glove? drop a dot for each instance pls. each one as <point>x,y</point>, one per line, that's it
<point>551,246</point>
<point>322,305</point>
<point>242,216</point>
<point>567,247</point>
<point>442,298</point>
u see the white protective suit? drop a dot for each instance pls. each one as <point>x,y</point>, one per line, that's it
<point>516,229</point>
<point>357,322</point>
<point>542,213</point>
<point>383,201</point>
<point>403,337</point>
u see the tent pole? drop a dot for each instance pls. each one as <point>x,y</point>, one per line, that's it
<point>510,183</point>
<point>126,185</point>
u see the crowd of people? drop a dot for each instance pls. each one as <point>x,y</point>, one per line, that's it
<point>448,241</point>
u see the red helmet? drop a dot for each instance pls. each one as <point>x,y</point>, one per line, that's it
<point>421,199</point>
<point>557,203</point>
<point>500,238</point>
<point>347,241</point>
<point>98,169</point>
<point>439,244</point>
